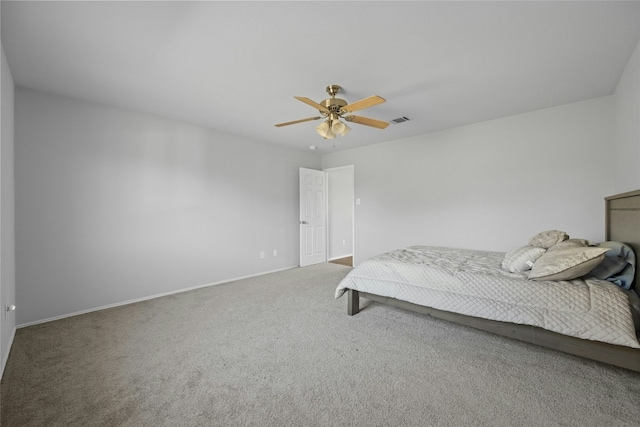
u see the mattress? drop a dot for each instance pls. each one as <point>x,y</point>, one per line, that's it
<point>473,283</point>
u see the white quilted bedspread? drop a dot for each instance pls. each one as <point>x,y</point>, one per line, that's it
<point>472,283</point>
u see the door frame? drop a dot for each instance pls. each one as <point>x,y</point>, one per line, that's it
<point>353,209</point>
<point>327,222</point>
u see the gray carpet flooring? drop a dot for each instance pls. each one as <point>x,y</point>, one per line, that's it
<point>278,350</point>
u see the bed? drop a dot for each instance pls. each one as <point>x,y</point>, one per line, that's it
<point>589,317</point>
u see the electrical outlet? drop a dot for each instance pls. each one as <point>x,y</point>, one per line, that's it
<point>344,243</point>
<point>275,252</point>
<point>261,254</point>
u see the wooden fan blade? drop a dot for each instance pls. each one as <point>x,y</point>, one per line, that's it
<point>367,121</point>
<point>362,104</point>
<point>312,103</point>
<point>308,119</point>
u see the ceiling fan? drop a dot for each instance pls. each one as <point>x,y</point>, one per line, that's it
<point>334,109</point>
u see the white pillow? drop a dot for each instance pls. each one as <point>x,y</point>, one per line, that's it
<point>522,259</point>
<point>546,239</point>
<point>567,263</point>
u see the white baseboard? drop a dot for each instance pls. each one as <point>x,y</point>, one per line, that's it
<point>5,356</point>
<point>131,301</point>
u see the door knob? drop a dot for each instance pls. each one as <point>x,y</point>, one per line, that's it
<point>303,222</point>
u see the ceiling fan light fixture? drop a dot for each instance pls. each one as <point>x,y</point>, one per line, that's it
<point>339,128</point>
<point>324,130</point>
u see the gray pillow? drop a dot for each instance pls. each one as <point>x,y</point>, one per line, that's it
<point>580,243</point>
<point>522,259</point>
<point>567,263</point>
<point>549,238</point>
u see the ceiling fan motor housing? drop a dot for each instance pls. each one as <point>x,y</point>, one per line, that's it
<point>333,104</point>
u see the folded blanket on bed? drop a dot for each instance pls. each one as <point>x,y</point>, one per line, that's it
<point>618,265</point>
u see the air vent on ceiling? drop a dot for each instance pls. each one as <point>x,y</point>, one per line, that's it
<point>400,120</point>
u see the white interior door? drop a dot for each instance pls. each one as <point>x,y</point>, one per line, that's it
<point>313,217</point>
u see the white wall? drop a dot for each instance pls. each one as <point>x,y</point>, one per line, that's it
<point>115,205</point>
<point>489,185</point>
<point>7,229</point>
<point>340,216</point>
<point>627,127</point>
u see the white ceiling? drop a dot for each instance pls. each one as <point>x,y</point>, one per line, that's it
<point>235,66</point>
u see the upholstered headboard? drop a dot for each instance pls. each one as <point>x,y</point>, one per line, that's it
<point>623,223</point>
